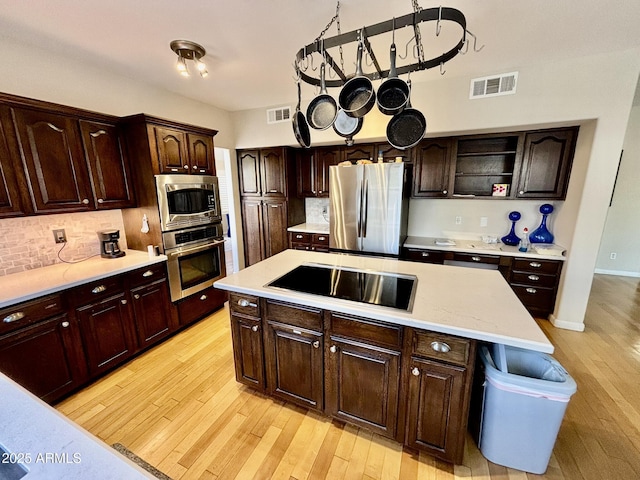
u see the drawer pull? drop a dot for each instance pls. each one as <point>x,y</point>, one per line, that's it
<point>136,296</point>
<point>14,317</point>
<point>475,259</point>
<point>321,239</point>
<point>124,302</point>
<point>85,201</point>
<point>535,278</point>
<point>273,190</point>
<point>148,273</point>
<point>415,372</point>
<point>444,192</point>
<point>425,254</point>
<point>186,167</point>
<point>333,349</point>
<point>535,264</point>
<point>195,167</point>
<point>440,347</point>
<point>298,236</point>
<point>51,305</point>
<point>243,302</point>
<point>316,344</point>
<point>531,290</point>
<point>100,200</point>
<point>99,289</point>
<point>203,297</point>
<point>65,324</point>
<point>254,328</point>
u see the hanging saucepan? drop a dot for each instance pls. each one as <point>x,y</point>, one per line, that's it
<point>406,128</point>
<point>357,96</point>
<point>393,94</point>
<point>347,126</point>
<point>322,111</point>
<point>300,127</point>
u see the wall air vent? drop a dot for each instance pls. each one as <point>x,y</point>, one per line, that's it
<point>278,115</point>
<point>494,85</point>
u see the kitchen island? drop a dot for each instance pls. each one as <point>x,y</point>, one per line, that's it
<point>405,373</point>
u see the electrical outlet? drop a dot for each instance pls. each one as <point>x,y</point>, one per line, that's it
<point>458,220</point>
<point>60,236</point>
<point>484,221</point>
<point>613,255</point>
<point>324,211</point>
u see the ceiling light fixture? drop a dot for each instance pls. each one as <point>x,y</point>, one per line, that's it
<point>187,50</point>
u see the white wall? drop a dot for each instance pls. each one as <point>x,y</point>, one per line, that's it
<point>622,229</point>
<point>595,92</point>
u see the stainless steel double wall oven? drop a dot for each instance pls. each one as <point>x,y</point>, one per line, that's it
<point>192,234</point>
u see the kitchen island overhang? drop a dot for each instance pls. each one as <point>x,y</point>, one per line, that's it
<point>471,303</point>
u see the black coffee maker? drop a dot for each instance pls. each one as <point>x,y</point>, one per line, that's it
<point>109,244</point>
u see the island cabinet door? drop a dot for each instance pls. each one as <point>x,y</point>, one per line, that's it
<point>363,382</point>
<point>294,364</point>
<point>435,409</point>
<point>248,351</point>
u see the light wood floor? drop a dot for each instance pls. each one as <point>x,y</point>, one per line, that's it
<point>179,408</point>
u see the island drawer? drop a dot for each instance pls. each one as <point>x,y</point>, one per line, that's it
<point>442,347</point>
<point>244,304</point>
<point>305,317</point>
<point>29,312</point>
<point>364,329</point>
<point>550,267</point>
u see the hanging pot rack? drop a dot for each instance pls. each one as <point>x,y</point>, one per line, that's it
<point>437,14</point>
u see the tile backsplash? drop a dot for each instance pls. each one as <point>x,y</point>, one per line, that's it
<point>316,210</point>
<point>27,243</point>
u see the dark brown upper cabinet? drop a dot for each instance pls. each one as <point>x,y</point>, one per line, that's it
<point>182,152</point>
<point>262,172</point>
<point>313,170</point>
<point>432,165</point>
<point>365,151</point>
<point>546,163</point>
<point>10,200</point>
<point>108,165</point>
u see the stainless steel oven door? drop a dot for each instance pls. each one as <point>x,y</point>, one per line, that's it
<point>194,268</point>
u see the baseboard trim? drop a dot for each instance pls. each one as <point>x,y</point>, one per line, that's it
<point>618,273</point>
<point>576,327</point>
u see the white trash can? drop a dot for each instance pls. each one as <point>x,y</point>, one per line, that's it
<point>523,407</point>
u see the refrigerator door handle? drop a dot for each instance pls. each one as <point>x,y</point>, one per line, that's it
<point>359,211</point>
<point>365,208</point>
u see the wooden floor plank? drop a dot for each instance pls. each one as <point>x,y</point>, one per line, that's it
<point>179,407</point>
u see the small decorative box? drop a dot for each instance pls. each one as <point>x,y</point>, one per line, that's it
<point>500,189</point>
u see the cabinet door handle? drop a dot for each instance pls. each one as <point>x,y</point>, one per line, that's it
<point>298,236</point>
<point>535,264</point>
<point>444,192</point>
<point>535,278</point>
<point>124,302</point>
<point>273,190</point>
<point>425,254</point>
<point>186,167</point>
<point>99,289</point>
<point>440,347</point>
<point>148,273</point>
<point>85,201</point>
<point>136,296</point>
<point>100,200</point>
<point>415,371</point>
<point>521,192</point>
<point>531,290</point>
<point>203,297</point>
<point>316,344</point>
<point>195,167</point>
<point>475,259</point>
<point>243,302</point>
<point>333,349</point>
<point>65,324</point>
<point>14,317</point>
<point>322,239</point>
<point>254,328</point>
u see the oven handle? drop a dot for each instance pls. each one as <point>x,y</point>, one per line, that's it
<point>196,249</point>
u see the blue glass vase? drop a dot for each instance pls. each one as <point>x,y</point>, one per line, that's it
<point>542,233</point>
<point>512,238</point>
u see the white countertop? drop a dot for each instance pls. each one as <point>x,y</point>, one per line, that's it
<point>53,447</point>
<point>468,302</point>
<point>310,228</point>
<point>30,284</point>
<point>466,245</point>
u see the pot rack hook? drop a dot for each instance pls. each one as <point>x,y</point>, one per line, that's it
<point>406,49</point>
<point>438,26</point>
<point>463,50</point>
<point>442,71</point>
<point>475,41</point>
<point>304,61</point>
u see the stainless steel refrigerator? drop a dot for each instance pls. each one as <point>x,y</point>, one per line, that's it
<point>369,207</point>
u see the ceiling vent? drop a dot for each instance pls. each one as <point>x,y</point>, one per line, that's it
<point>278,115</point>
<point>493,86</point>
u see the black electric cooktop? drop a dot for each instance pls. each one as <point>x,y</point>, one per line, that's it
<point>376,288</point>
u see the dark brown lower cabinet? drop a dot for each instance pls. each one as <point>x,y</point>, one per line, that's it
<point>43,358</point>
<point>294,364</point>
<point>107,332</point>
<point>363,384</point>
<point>435,409</point>
<point>248,350</point>
<point>152,319</point>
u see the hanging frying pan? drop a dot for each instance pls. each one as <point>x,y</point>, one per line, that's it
<point>322,111</point>
<point>357,96</point>
<point>347,126</point>
<point>393,94</point>
<point>406,128</point>
<point>300,127</point>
